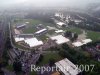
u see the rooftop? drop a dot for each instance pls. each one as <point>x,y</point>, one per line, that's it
<point>60,39</point>
<point>77,44</point>
<point>60,23</point>
<point>59,31</point>
<point>21,26</point>
<point>40,31</point>
<point>86,41</point>
<point>33,42</point>
<point>80,43</point>
<point>18,39</point>
<point>16,31</point>
<point>67,67</point>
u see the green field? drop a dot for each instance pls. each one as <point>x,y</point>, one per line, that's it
<point>31,28</point>
<point>46,59</point>
<point>49,56</point>
<point>43,37</point>
<point>73,29</point>
<point>93,35</point>
<point>76,30</point>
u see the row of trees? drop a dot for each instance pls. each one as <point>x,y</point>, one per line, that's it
<point>89,25</point>
<point>72,36</point>
<point>77,57</point>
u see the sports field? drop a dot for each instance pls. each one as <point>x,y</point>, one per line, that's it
<point>93,35</point>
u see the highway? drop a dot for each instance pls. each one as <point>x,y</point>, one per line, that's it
<point>3,35</point>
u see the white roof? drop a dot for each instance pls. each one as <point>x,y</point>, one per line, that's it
<point>77,21</point>
<point>21,26</point>
<point>60,23</point>
<point>40,31</point>
<point>67,67</point>
<point>77,44</point>
<point>86,41</point>
<point>57,14</point>
<point>60,39</point>
<point>18,39</point>
<point>16,31</point>
<point>33,42</point>
<point>59,31</point>
<point>26,22</point>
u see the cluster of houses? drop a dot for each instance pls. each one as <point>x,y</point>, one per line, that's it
<point>32,41</point>
<point>58,39</point>
<point>29,39</point>
<point>62,21</point>
<point>65,66</point>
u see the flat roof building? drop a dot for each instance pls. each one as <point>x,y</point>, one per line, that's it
<point>60,23</point>
<point>40,32</point>
<point>21,26</point>
<point>17,39</point>
<point>59,31</point>
<point>25,35</point>
<point>67,67</point>
<point>33,42</point>
<point>59,39</point>
<point>17,32</point>
<point>77,44</point>
<point>80,43</point>
<point>86,41</point>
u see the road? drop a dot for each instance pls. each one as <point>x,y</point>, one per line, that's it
<point>3,35</point>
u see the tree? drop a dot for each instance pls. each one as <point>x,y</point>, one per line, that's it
<point>40,59</point>
<point>68,34</point>
<point>8,44</point>
<point>1,72</point>
<point>51,62</point>
<point>75,36</point>
<point>17,66</point>
<point>65,46</point>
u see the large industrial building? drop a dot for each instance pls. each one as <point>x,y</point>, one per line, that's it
<point>82,42</point>
<point>40,32</point>
<point>21,26</point>
<point>59,39</point>
<point>33,42</point>
<point>67,67</point>
<point>61,24</point>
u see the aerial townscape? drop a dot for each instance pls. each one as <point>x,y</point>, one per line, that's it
<point>49,38</point>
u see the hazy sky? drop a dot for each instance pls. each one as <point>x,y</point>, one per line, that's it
<point>78,3</point>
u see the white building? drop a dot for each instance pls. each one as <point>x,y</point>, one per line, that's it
<point>40,32</point>
<point>27,22</point>
<point>59,31</point>
<point>21,26</point>
<point>17,32</point>
<point>67,67</point>
<point>33,42</point>
<point>77,44</point>
<point>57,15</point>
<point>59,39</point>
<point>61,24</point>
<point>17,39</point>
<point>77,21</point>
<point>80,43</point>
<point>86,41</point>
